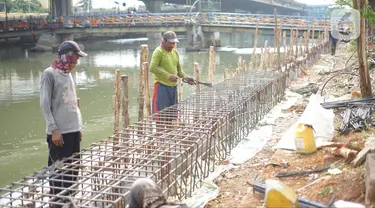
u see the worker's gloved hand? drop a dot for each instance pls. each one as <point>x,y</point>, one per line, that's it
<point>173,78</point>
<point>189,80</point>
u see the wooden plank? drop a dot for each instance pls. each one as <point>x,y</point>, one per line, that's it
<point>361,156</point>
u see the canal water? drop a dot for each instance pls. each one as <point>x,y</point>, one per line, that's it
<point>23,147</point>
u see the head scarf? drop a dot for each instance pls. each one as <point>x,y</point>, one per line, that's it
<point>65,62</point>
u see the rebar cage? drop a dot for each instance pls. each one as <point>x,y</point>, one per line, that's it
<point>176,154</point>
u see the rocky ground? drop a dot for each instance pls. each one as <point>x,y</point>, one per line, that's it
<point>235,188</point>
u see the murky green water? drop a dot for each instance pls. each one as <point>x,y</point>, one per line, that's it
<point>23,148</point>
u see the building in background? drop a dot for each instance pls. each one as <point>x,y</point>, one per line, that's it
<point>318,11</point>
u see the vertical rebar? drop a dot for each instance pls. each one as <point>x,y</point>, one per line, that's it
<point>143,58</point>
<point>278,41</point>
<point>291,44</point>
<point>180,89</point>
<point>125,102</point>
<point>147,89</point>
<point>253,57</point>
<point>296,43</point>
<point>197,76</point>
<point>211,65</point>
<point>117,105</point>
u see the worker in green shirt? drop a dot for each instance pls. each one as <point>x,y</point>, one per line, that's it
<point>166,67</point>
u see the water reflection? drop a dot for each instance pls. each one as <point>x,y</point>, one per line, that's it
<point>16,86</point>
<point>127,59</point>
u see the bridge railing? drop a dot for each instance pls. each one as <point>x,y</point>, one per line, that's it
<point>119,20</point>
<point>264,20</point>
<point>157,19</point>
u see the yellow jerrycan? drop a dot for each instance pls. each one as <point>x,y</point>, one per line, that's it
<point>278,195</point>
<point>304,139</point>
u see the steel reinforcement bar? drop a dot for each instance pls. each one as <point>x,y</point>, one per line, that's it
<point>177,155</point>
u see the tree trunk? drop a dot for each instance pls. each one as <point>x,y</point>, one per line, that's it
<point>372,4</point>
<point>364,76</point>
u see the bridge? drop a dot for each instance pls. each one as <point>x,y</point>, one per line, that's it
<point>63,7</point>
<point>62,24</point>
<point>285,7</point>
<point>197,25</point>
<point>139,23</point>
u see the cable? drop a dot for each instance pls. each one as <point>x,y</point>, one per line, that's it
<point>341,73</point>
<point>350,58</point>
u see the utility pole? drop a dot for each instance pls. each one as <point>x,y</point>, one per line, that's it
<point>364,76</point>
<point>6,15</point>
<point>118,6</point>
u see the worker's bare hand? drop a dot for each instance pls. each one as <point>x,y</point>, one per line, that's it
<point>80,136</point>
<point>173,78</point>
<point>57,138</point>
<point>189,80</point>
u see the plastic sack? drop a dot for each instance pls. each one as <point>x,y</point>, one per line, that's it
<point>319,118</point>
<point>346,204</point>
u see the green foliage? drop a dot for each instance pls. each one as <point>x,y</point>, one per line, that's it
<point>352,45</point>
<point>22,6</point>
<point>344,3</point>
<point>86,5</point>
<point>369,14</point>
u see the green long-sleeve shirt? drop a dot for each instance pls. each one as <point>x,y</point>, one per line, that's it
<point>164,64</point>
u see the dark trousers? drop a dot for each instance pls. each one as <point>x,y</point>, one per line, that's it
<point>164,96</point>
<point>71,146</point>
<point>333,46</point>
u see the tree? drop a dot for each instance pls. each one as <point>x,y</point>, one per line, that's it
<point>8,5</point>
<point>344,3</point>
<point>86,5</point>
<point>372,4</point>
<point>366,9</point>
<point>22,6</point>
<point>364,76</point>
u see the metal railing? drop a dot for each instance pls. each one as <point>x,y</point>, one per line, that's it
<point>158,19</point>
<point>262,20</point>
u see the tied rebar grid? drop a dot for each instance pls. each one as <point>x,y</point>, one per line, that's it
<point>177,155</point>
